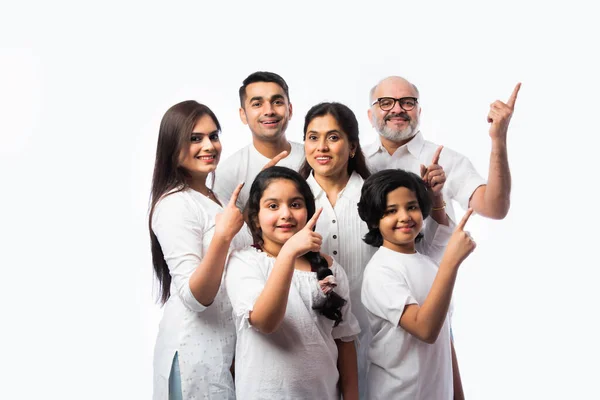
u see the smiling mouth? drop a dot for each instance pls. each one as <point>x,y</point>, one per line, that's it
<point>206,158</point>
<point>287,226</point>
<point>270,123</point>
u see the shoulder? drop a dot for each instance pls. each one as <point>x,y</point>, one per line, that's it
<point>234,160</point>
<point>247,255</point>
<point>447,153</point>
<point>371,148</point>
<point>175,201</point>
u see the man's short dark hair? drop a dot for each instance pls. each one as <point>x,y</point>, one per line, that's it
<point>263,76</point>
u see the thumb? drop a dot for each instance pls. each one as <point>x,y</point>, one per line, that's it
<point>423,171</point>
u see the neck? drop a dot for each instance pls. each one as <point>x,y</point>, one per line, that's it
<point>270,149</point>
<point>272,249</point>
<point>391,146</point>
<point>198,183</point>
<point>334,184</point>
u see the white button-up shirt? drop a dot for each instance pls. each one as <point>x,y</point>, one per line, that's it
<point>461,177</point>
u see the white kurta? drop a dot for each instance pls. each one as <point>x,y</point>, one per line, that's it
<point>299,359</point>
<point>461,177</point>
<point>343,232</point>
<point>244,165</point>
<point>401,366</point>
<point>204,337</point>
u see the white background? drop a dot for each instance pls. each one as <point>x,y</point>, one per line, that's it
<point>83,87</point>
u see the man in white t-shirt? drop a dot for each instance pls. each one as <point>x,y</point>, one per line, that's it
<point>265,107</point>
<point>395,112</point>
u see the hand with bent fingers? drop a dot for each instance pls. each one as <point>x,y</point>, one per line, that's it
<point>434,175</point>
<point>230,221</point>
<point>500,115</point>
<point>306,239</point>
<point>461,244</point>
<point>273,161</point>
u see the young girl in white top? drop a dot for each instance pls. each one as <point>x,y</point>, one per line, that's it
<point>407,296</point>
<point>335,169</point>
<point>191,233</point>
<point>296,330</point>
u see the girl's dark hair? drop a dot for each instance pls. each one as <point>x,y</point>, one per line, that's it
<point>373,199</point>
<point>334,303</point>
<point>174,135</point>
<point>347,121</point>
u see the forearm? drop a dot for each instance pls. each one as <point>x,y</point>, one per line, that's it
<point>496,196</point>
<point>438,211</point>
<point>348,369</point>
<point>206,279</point>
<point>269,308</point>
<point>456,380</point>
<point>426,323</point>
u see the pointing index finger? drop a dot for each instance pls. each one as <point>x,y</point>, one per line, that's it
<point>236,194</point>
<point>465,218</point>
<point>313,221</point>
<point>513,97</point>
<point>436,156</point>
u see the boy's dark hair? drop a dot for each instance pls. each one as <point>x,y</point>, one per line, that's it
<point>262,76</point>
<point>332,308</point>
<point>373,199</point>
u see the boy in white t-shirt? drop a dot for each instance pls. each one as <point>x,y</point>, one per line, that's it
<point>265,107</point>
<point>406,294</point>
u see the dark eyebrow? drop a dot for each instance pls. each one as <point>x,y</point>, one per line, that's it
<point>328,132</point>
<point>278,200</point>
<point>207,134</point>
<point>255,98</point>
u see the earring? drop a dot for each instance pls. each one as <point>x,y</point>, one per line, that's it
<point>352,155</point>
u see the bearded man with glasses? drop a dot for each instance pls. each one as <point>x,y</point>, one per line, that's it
<point>395,112</point>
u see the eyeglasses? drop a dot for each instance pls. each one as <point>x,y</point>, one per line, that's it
<point>387,103</point>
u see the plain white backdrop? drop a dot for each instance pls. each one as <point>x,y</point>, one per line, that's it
<point>83,87</point>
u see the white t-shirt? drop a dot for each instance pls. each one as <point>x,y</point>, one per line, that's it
<point>400,365</point>
<point>299,359</point>
<point>343,232</point>
<point>204,337</point>
<point>461,177</point>
<point>244,165</point>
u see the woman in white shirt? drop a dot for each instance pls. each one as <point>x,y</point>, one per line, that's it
<point>191,234</point>
<point>335,169</point>
<point>294,322</point>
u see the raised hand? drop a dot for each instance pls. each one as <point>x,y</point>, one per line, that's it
<point>273,162</point>
<point>230,221</point>
<point>500,115</point>
<point>461,243</point>
<point>306,239</point>
<point>434,175</point>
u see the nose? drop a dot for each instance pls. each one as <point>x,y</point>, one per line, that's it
<point>268,108</point>
<point>397,109</point>
<point>322,145</point>
<point>207,144</point>
<point>403,215</point>
<point>285,212</point>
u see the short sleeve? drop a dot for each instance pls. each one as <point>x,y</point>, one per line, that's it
<point>385,293</point>
<point>435,239</point>
<point>465,180</point>
<point>179,228</point>
<point>348,329</point>
<point>245,281</point>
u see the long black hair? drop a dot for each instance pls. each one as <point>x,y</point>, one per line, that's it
<point>347,121</point>
<point>373,199</point>
<point>169,177</point>
<point>333,303</point>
